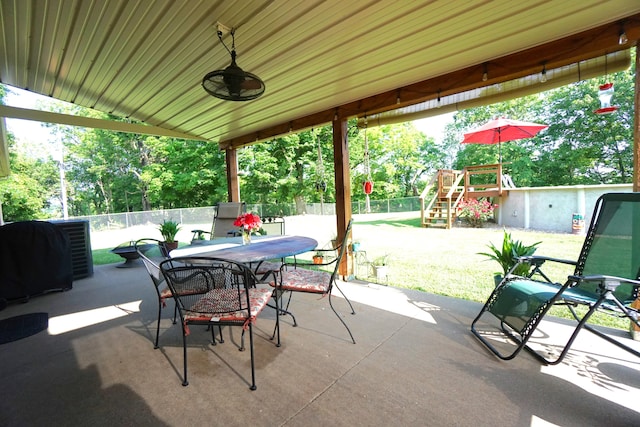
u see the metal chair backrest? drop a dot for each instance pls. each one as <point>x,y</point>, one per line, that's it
<point>226,214</point>
<point>341,251</point>
<point>189,278</point>
<point>612,243</point>
<point>151,253</point>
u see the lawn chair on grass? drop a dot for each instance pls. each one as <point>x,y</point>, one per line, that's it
<point>605,279</point>
<point>222,226</point>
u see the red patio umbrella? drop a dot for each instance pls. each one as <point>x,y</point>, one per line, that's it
<point>498,130</point>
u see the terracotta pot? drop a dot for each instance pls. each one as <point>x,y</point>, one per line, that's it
<point>169,246</point>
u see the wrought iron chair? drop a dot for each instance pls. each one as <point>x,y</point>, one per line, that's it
<point>215,291</point>
<point>605,279</point>
<point>152,252</point>
<point>294,277</point>
<point>222,226</point>
<point>271,226</point>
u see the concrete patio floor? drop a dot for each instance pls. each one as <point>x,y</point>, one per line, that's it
<point>415,363</point>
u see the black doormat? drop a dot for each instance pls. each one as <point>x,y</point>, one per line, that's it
<point>18,327</point>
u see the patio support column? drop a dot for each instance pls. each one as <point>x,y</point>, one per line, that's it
<point>343,184</point>
<point>233,185</point>
<point>635,331</point>
<point>636,125</point>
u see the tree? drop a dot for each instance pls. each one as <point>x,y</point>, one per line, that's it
<point>284,169</point>
<point>118,171</point>
<point>579,147</point>
<point>181,173</point>
<point>25,193</point>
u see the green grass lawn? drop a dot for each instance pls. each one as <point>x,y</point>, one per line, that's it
<point>105,256</point>
<point>447,262</point>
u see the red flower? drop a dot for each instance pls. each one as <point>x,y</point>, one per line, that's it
<point>248,222</point>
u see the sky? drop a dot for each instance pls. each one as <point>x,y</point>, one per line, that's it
<point>27,131</point>
<point>434,126</point>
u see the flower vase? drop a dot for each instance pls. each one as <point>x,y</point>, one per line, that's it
<point>246,237</point>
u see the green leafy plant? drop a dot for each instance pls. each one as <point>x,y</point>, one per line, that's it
<point>381,260</point>
<point>508,254</point>
<point>169,229</point>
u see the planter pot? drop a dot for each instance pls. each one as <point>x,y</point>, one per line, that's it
<point>169,246</point>
<point>497,278</point>
<point>355,247</point>
<point>381,272</point>
<point>317,260</point>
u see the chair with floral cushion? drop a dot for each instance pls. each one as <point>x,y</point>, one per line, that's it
<point>152,253</point>
<point>271,226</point>
<point>300,276</point>
<point>215,291</point>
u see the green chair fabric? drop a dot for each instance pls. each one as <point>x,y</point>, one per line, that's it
<point>606,278</point>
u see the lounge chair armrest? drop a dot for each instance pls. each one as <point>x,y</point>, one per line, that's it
<point>538,260</point>
<point>609,283</point>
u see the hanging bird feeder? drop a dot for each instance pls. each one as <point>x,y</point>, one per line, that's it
<point>605,93</point>
<point>367,185</point>
<point>321,184</point>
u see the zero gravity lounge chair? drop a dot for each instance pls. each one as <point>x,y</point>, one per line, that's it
<point>605,279</point>
<point>222,226</point>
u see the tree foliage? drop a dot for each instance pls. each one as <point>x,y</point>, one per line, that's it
<point>578,147</point>
<point>26,192</point>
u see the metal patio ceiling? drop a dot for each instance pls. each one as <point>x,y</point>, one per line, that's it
<point>145,59</point>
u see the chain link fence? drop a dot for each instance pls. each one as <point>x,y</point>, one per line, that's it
<point>205,215</point>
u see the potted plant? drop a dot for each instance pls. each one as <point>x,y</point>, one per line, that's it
<point>380,267</point>
<point>317,258</point>
<point>508,254</point>
<point>169,229</point>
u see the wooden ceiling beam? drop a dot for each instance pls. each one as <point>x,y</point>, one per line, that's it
<point>575,48</point>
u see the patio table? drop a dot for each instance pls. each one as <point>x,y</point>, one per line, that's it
<point>261,248</point>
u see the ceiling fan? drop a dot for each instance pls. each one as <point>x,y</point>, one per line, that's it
<point>232,83</point>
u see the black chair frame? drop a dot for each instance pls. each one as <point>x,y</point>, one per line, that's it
<point>607,293</point>
<point>205,274</point>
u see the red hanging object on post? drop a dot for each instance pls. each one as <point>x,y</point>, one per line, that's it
<point>367,186</point>
<point>604,94</point>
